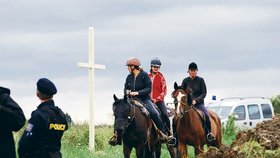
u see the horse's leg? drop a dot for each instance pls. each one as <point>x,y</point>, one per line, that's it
<point>126,151</point>
<point>158,149</point>
<point>198,149</point>
<point>172,151</point>
<point>149,152</point>
<point>182,150</point>
<point>140,151</point>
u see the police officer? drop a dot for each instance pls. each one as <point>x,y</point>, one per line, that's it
<point>11,119</point>
<point>42,136</point>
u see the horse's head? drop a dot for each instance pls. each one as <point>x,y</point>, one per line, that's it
<point>178,90</point>
<point>121,110</point>
<point>181,95</point>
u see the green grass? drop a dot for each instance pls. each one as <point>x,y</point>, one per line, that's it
<point>78,134</point>
<point>75,143</point>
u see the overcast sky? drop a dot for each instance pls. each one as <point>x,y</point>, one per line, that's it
<point>235,44</point>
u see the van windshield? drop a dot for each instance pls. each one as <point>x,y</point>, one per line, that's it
<point>222,111</point>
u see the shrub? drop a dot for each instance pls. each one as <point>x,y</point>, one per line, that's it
<point>229,129</point>
<point>76,135</point>
<point>251,149</point>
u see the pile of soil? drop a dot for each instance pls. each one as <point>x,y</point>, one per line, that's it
<point>267,134</point>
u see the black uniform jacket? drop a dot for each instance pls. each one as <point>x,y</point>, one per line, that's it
<point>42,137</point>
<point>11,119</point>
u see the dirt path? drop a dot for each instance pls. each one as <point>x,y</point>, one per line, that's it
<point>267,134</point>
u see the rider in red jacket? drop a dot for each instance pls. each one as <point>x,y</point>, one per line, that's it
<point>159,90</point>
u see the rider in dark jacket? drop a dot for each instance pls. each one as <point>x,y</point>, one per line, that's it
<point>42,136</point>
<point>11,119</point>
<point>198,88</point>
<point>138,85</point>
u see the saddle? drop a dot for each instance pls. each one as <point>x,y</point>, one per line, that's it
<point>141,105</point>
<point>150,123</point>
<point>202,118</point>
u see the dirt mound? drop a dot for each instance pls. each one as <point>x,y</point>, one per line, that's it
<point>266,134</point>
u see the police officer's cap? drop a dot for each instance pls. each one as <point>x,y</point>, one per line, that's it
<point>46,86</point>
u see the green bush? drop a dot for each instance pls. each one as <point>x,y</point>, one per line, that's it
<point>77,135</point>
<point>276,104</point>
<point>251,149</point>
<point>102,136</point>
<point>229,131</point>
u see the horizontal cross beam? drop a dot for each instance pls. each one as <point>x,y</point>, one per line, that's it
<point>90,66</point>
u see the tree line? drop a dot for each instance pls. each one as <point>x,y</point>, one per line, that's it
<point>276,104</point>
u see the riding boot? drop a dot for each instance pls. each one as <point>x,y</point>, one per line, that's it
<point>209,136</point>
<point>175,136</point>
<point>161,130</point>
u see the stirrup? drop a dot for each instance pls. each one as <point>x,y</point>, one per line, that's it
<point>162,137</point>
<point>172,141</point>
<point>210,137</point>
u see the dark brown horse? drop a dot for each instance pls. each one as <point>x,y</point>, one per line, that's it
<point>135,130</point>
<point>189,125</point>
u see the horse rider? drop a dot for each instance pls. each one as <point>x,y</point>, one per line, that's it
<point>198,87</point>
<point>159,90</point>
<point>138,85</point>
<point>42,136</point>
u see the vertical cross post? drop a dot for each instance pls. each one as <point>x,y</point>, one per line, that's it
<point>91,66</point>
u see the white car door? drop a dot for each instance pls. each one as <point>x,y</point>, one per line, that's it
<point>254,115</point>
<point>241,120</point>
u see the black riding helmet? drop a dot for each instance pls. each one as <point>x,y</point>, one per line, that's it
<point>155,62</point>
<point>192,66</point>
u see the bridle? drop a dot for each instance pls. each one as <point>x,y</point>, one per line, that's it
<point>131,115</point>
<point>184,103</point>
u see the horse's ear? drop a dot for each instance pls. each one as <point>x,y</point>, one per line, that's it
<point>115,97</point>
<point>176,85</point>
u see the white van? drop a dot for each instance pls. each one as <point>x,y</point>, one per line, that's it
<point>247,111</point>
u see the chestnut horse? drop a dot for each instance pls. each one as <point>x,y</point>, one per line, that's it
<point>189,125</point>
<point>135,130</point>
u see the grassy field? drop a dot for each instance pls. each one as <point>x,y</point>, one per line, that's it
<point>75,143</point>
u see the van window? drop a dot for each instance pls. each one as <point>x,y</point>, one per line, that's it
<point>254,111</point>
<point>222,111</point>
<point>267,113</point>
<point>240,111</point>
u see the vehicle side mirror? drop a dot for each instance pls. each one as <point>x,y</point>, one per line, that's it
<point>236,116</point>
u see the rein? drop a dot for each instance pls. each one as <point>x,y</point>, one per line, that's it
<point>131,116</point>
<point>182,113</point>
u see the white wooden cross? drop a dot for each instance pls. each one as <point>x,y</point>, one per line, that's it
<point>91,66</point>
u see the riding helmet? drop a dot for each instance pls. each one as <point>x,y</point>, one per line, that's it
<point>133,62</point>
<point>155,62</point>
<point>192,66</point>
